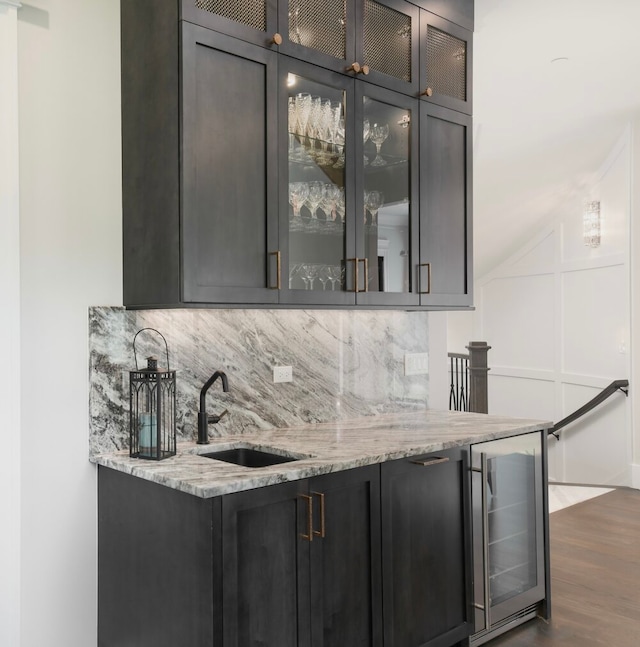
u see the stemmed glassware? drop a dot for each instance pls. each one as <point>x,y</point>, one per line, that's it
<point>303,111</point>
<point>378,134</point>
<point>323,276</point>
<point>336,273</point>
<point>315,196</point>
<point>298,193</point>
<point>339,139</point>
<point>330,201</point>
<point>366,129</point>
<point>309,273</point>
<point>373,200</point>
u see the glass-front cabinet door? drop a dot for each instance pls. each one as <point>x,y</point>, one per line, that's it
<point>316,170</point>
<point>386,154</point>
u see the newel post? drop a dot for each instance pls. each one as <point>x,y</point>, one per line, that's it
<point>478,376</point>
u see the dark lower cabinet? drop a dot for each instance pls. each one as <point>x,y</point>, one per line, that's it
<point>302,563</point>
<point>426,547</point>
<point>159,582</point>
<point>373,556</point>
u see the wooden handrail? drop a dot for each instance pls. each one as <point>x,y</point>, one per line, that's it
<point>607,392</point>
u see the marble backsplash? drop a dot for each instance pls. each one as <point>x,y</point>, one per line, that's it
<point>345,364</point>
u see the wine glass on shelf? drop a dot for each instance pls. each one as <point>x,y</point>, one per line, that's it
<point>366,129</point>
<point>310,271</point>
<point>331,197</point>
<point>378,134</point>
<point>340,144</point>
<point>340,205</point>
<point>298,192</point>
<point>315,196</point>
<point>293,123</point>
<point>334,273</point>
<point>373,200</point>
<point>323,276</point>
<point>313,125</point>
<point>294,269</point>
<point>303,110</point>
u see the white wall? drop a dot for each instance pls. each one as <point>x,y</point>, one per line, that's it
<point>70,205</point>
<point>557,316</point>
<point>9,330</point>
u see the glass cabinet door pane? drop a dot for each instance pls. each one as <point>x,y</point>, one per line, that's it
<point>511,508</point>
<point>386,199</point>
<point>320,25</point>
<point>316,166</point>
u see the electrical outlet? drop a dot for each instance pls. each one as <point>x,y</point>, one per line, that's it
<point>282,374</point>
<point>416,363</point>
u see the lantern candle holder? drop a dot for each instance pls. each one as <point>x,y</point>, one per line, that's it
<point>152,412</point>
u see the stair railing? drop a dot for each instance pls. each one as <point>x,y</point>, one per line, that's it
<point>607,392</point>
<point>468,389</point>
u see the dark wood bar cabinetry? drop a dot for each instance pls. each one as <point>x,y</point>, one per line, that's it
<point>297,153</point>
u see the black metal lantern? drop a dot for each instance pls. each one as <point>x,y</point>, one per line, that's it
<point>152,398</point>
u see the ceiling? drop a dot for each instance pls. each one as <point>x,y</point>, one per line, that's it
<point>543,128</point>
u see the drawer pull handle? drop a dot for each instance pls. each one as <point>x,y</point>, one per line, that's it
<point>309,535</point>
<point>431,461</point>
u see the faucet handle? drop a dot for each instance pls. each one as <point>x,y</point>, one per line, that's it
<point>213,419</point>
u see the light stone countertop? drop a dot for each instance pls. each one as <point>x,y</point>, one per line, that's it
<point>321,448</point>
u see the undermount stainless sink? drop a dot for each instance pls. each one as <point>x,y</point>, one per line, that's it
<point>248,457</point>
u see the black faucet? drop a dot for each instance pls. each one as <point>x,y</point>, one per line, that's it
<point>203,418</point>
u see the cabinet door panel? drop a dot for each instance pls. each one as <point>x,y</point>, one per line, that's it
<point>387,195</point>
<point>229,161</point>
<point>445,208</point>
<point>445,63</point>
<point>387,41</point>
<point>426,550</point>
<point>265,597</point>
<point>254,21</point>
<point>316,185</point>
<point>345,562</point>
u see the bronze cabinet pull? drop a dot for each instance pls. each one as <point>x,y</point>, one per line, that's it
<point>355,262</point>
<point>276,39</point>
<point>431,461</point>
<point>366,274</point>
<point>278,285</point>
<point>310,533</point>
<point>427,93</point>
<point>428,266</point>
<point>355,67</point>
<point>322,532</point>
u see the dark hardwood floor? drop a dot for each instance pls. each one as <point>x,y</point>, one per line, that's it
<point>595,575</point>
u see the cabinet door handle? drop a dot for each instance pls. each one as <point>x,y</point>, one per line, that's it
<point>278,285</point>
<point>322,532</point>
<point>427,93</point>
<point>431,461</point>
<point>354,67</point>
<point>355,262</point>
<point>364,70</point>
<point>366,273</point>
<point>276,39</point>
<point>309,535</point>
<point>428,266</point>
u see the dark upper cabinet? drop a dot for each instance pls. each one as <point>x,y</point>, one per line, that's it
<point>445,271</point>
<point>251,177</point>
<point>191,193</point>
<point>302,563</point>
<point>426,545</point>
<point>229,183</point>
<point>446,61</point>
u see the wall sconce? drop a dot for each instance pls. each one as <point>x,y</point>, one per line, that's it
<point>591,223</point>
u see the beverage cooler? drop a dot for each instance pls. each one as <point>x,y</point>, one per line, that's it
<point>510,536</point>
